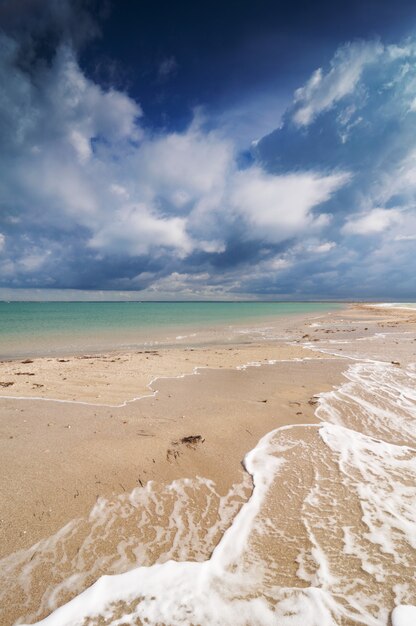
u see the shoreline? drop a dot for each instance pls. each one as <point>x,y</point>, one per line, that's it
<point>181,431</point>
<point>117,377</point>
<point>116,398</point>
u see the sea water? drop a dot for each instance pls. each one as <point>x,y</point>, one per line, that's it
<point>44,328</point>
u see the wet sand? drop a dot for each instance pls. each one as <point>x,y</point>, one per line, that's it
<point>119,378</point>
<point>58,459</point>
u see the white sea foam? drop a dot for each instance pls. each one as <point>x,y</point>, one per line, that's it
<point>404,615</point>
<point>396,305</point>
<point>153,524</point>
<point>379,399</point>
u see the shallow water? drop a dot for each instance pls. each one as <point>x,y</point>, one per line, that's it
<point>45,328</point>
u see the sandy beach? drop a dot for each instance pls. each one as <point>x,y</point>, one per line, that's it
<point>207,313</point>
<point>88,442</point>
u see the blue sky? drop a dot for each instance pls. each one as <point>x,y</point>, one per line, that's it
<point>189,150</point>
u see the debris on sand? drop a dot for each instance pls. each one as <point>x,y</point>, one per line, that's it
<point>192,440</point>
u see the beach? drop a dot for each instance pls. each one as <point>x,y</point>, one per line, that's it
<point>266,466</point>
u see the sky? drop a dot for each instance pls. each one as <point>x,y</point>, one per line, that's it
<point>208,150</point>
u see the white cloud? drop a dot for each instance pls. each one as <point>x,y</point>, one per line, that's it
<point>119,190</point>
<point>405,237</point>
<point>60,106</point>
<point>401,179</point>
<point>276,264</point>
<point>247,120</point>
<point>2,241</point>
<point>136,230</point>
<point>279,207</point>
<point>372,222</point>
<point>322,248</point>
<point>195,175</point>
<point>189,164</point>
<point>322,90</point>
<point>201,285</point>
<point>81,144</point>
<point>30,259</point>
<point>32,262</point>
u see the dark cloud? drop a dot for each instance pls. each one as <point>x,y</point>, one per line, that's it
<point>41,26</point>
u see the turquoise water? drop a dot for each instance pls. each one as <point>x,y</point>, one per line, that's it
<point>44,327</point>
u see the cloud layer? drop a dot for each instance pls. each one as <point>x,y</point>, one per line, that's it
<point>92,199</point>
<point>358,115</point>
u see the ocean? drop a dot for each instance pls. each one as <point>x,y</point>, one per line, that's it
<point>47,328</point>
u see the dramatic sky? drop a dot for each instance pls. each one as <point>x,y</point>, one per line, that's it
<point>216,150</point>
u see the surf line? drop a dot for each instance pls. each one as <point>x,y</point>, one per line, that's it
<point>154,393</point>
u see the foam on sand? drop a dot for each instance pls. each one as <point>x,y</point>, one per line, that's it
<point>347,538</point>
<point>396,305</point>
<point>404,615</point>
<point>183,520</point>
<point>378,399</point>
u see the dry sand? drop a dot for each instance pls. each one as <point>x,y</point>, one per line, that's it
<point>57,458</point>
